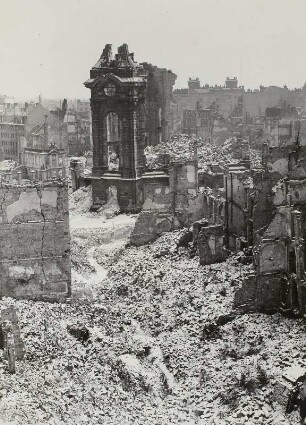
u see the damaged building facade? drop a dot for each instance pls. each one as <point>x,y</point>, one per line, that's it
<point>217,113</point>
<point>130,106</point>
<point>236,208</point>
<point>230,207</point>
<point>279,229</point>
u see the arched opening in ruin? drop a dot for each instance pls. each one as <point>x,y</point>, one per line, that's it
<point>113,141</point>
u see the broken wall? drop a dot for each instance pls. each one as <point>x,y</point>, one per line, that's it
<point>279,233</point>
<point>159,93</point>
<point>175,196</point>
<point>213,207</point>
<point>35,241</point>
<point>157,194</point>
<point>238,207</point>
<point>260,293</point>
<point>150,225</point>
<point>187,201</point>
<point>214,180</point>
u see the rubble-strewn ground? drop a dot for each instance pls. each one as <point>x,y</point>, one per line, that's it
<point>181,147</point>
<point>164,346</point>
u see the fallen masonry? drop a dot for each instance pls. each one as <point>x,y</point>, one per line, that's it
<point>287,388</point>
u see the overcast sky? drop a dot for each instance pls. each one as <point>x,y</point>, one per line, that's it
<point>50,45</point>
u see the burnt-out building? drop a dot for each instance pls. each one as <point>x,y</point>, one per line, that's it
<point>130,106</point>
<point>279,229</point>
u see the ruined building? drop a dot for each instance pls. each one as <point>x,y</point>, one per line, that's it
<point>130,110</point>
<point>78,131</point>
<point>10,134</point>
<point>218,103</point>
<point>279,229</point>
<point>215,113</point>
<point>171,200</point>
<point>38,158</point>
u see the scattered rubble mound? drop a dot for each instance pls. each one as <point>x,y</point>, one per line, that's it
<point>161,344</point>
<point>80,201</point>
<point>111,208</point>
<point>256,158</point>
<point>8,165</point>
<point>108,253</point>
<point>181,147</point>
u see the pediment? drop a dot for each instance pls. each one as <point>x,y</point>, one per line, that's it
<point>103,80</point>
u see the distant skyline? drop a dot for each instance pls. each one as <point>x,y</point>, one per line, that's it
<point>49,47</point>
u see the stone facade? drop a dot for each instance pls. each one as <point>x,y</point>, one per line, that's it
<point>130,109</point>
<point>35,241</point>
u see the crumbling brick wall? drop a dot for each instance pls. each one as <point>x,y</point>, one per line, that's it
<point>35,241</point>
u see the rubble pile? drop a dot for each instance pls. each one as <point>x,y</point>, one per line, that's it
<point>111,208</point>
<point>256,158</point>
<point>8,165</point>
<point>107,253</point>
<point>159,343</point>
<point>181,147</point>
<point>79,260</point>
<point>230,370</point>
<point>80,201</point>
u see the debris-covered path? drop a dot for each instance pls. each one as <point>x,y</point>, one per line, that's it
<point>163,346</point>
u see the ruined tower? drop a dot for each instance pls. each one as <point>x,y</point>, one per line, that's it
<point>130,105</point>
<point>118,86</point>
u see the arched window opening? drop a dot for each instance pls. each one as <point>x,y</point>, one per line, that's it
<point>113,138</point>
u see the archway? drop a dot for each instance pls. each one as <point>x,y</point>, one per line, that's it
<point>113,141</point>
